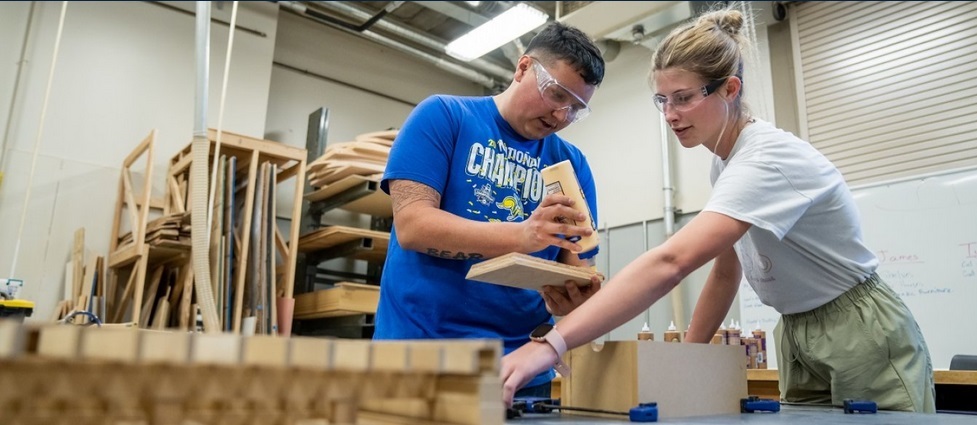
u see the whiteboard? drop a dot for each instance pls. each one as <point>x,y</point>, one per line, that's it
<point>924,232</point>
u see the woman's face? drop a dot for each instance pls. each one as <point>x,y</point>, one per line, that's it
<point>695,109</point>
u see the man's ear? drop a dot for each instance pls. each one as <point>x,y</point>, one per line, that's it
<point>522,68</point>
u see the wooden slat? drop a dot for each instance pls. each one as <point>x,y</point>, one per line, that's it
<point>528,272</point>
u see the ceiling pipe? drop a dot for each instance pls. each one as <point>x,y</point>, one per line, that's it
<point>413,36</point>
<point>461,71</point>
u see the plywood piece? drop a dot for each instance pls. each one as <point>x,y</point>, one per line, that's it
<point>626,373</point>
<point>528,272</point>
<point>114,344</point>
<point>345,299</point>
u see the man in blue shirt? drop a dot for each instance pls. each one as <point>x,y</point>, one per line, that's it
<point>464,178</point>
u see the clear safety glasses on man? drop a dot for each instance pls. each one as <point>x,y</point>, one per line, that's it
<point>557,96</point>
<point>684,100</point>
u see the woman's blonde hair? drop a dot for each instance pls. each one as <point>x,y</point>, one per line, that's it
<point>710,47</point>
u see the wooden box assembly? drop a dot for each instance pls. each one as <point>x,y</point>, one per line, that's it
<point>684,379</point>
<point>91,375</point>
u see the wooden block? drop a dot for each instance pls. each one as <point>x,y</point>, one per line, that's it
<point>470,400</point>
<point>342,300</point>
<point>218,348</point>
<point>59,341</point>
<point>684,379</point>
<point>426,356</point>
<point>471,357</point>
<point>390,356</point>
<point>528,272</point>
<point>164,347</point>
<point>312,353</point>
<point>265,350</point>
<point>117,344</point>
<point>351,355</point>
<point>11,338</point>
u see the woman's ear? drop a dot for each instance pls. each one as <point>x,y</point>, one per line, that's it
<point>732,87</point>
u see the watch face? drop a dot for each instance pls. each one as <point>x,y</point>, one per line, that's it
<point>541,331</point>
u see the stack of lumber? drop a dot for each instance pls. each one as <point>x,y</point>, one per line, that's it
<point>170,231</point>
<point>365,156</point>
<point>126,375</point>
<point>344,299</point>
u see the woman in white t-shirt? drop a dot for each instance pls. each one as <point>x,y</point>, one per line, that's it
<point>781,214</point>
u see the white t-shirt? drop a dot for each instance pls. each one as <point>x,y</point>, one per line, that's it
<point>805,246</point>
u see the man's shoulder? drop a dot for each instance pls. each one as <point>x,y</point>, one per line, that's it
<point>455,100</point>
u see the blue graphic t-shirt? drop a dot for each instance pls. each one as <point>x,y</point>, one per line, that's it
<point>484,171</point>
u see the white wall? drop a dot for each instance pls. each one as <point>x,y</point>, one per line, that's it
<point>351,71</point>
<point>123,69</point>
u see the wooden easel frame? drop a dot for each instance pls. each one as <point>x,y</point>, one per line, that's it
<point>135,253</point>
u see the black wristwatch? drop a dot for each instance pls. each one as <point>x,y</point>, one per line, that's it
<point>547,333</point>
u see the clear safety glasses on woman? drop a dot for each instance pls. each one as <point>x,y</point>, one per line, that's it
<point>557,96</point>
<point>684,100</point>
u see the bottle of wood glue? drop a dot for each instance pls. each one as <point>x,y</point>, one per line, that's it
<point>561,179</point>
<point>672,334</point>
<point>646,334</point>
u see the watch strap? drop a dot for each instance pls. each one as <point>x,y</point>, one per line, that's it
<point>556,341</point>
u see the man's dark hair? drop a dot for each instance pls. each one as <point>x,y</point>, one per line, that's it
<point>566,43</point>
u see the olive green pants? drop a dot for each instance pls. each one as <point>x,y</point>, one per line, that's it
<point>864,345</point>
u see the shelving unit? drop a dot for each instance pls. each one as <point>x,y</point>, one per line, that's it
<point>324,300</point>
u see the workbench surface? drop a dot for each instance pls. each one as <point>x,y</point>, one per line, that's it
<point>794,415</point>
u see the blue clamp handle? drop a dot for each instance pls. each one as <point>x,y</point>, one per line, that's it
<point>756,404</point>
<point>645,412</point>
<point>860,406</point>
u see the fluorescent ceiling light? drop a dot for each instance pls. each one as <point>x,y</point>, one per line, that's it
<point>473,3</point>
<point>502,29</point>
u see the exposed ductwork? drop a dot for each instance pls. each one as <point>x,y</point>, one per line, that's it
<point>497,78</point>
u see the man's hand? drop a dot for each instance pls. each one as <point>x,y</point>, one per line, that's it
<point>521,366</point>
<point>561,301</point>
<point>548,225</point>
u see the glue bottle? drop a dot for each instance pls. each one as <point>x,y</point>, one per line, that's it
<point>734,334</point>
<point>646,334</point>
<point>761,341</point>
<point>672,334</point>
<point>561,179</point>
